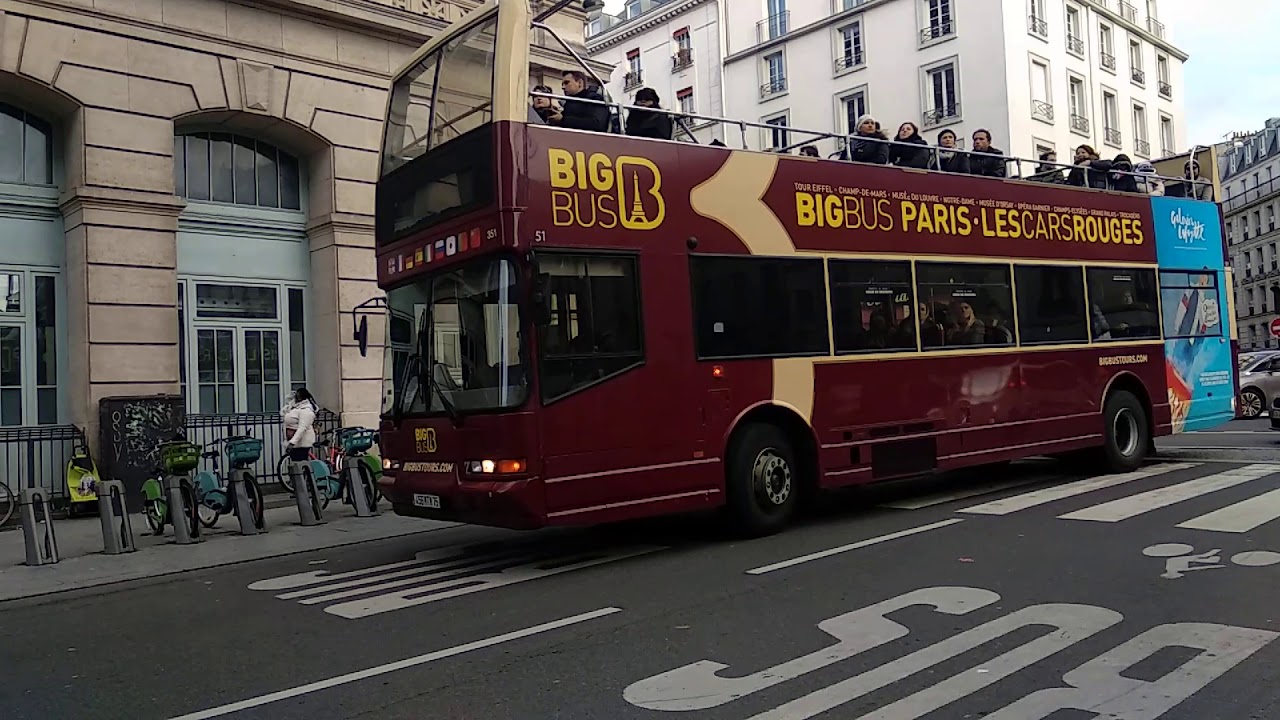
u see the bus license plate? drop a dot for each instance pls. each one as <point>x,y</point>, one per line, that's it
<point>426,501</point>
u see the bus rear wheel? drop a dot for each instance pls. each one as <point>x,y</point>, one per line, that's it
<point>1126,433</point>
<point>762,481</point>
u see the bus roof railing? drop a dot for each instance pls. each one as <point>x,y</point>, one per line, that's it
<point>843,141</point>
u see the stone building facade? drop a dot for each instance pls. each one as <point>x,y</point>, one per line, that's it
<point>186,198</point>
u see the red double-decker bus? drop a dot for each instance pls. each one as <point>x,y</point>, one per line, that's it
<point>583,327</point>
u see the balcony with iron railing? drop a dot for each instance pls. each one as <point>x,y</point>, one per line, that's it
<point>1166,151</point>
<point>1104,4</point>
<point>1111,136</point>
<point>1155,27</point>
<point>682,59</point>
<point>1075,45</point>
<point>839,6</point>
<point>773,87</point>
<point>940,115</point>
<point>633,80</point>
<point>1080,124</point>
<point>1138,76</point>
<point>937,30</point>
<point>1038,26</point>
<point>1041,110</point>
<point>850,60</point>
<point>1263,191</point>
<point>1166,89</point>
<point>1142,148</point>
<point>773,27</point>
<point>1128,12</point>
<point>1108,60</point>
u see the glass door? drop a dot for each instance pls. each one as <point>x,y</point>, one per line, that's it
<point>261,370</point>
<point>238,370</point>
<point>11,404</point>
<point>215,371</point>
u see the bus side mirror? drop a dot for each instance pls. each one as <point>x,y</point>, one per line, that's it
<point>362,336</point>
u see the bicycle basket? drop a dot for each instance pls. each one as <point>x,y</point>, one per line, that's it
<point>244,451</point>
<point>179,457</point>
<point>355,440</point>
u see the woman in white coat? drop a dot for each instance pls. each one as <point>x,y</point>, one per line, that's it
<point>299,418</point>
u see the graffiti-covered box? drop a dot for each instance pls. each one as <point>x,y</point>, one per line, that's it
<point>130,432</point>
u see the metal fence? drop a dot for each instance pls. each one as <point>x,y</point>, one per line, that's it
<point>209,430</point>
<point>37,457</point>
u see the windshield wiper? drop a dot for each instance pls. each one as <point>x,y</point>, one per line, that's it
<point>449,408</point>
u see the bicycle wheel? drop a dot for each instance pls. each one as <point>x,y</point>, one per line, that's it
<point>7,504</point>
<point>155,512</point>
<point>206,513</point>
<point>193,513</point>
<point>256,504</point>
<point>282,472</point>
<point>370,487</point>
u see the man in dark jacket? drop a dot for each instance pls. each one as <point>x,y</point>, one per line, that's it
<point>987,161</point>
<point>649,123</point>
<point>581,115</point>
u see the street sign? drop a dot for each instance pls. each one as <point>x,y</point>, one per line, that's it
<point>1275,328</point>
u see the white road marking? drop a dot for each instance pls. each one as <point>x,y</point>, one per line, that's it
<point>962,493</point>
<point>395,666</point>
<point>1240,517</point>
<point>1004,506</point>
<point>1233,432</point>
<point>1260,448</point>
<point>852,546</point>
<point>1135,505</point>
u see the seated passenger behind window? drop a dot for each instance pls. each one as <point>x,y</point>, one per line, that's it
<point>968,330</point>
<point>867,143</point>
<point>648,123</point>
<point>952,162</point>
<point>576,114</point>
<point>931,333</point>
<point>912,157</point>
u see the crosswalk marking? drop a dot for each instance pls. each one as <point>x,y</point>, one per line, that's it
<point>1007,505</point>
<point>1135,505</point>
<point>1240,517</point>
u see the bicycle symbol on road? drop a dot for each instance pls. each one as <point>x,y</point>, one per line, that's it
<point>1183,558</point>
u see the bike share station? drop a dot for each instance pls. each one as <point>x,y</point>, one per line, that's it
<point>172,490</point>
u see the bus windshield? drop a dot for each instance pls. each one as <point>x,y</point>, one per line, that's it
<point>436,152</point>
<point>453,342</point>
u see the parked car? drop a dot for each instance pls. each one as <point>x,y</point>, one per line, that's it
<point>1259,383</point>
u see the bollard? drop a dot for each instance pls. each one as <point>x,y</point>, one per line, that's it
<point>117,532</point>
<point>249,525</point>
<point>42,547</point>
<point>305,494</point>
<point>360,487</point>
<point>178,512</point>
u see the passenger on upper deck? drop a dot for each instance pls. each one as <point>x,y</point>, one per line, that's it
<point>649,123</point>
<point>865,146</point>
<point>580,115</point>
<point>952,162</point>
<point>1090,170</point>
<point>912,157</point>
<point>544,106</point>
<point>1151,184</point>
<point>1201,190</point>
<point>1047,172</point>
<point>993,166</point>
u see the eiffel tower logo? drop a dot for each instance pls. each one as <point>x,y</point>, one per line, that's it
<point>637,207</point>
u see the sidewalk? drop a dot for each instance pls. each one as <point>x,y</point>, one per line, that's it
<point>83,564</point>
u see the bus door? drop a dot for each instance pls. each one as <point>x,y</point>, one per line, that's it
<point>618,423</point>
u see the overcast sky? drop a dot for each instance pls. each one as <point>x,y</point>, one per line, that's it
<point>1232,81</point>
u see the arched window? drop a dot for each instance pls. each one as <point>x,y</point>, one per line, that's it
<point>224,168</point>
<point>26,148</point>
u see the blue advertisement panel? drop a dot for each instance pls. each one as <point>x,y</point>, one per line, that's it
<point>1193,301</point>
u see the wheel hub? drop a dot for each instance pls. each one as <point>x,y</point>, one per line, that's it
<point>771,477</point>
<point>1125,432</point>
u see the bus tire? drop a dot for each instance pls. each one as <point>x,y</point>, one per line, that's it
<point>1126,434</point>
<point>762,480</point>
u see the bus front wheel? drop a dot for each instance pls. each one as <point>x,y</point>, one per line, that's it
<point>762,480</point>
<point>1126,433</point>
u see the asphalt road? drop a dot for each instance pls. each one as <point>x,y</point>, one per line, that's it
<point>961,597</point>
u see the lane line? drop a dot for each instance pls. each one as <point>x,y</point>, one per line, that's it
<point>1264,448</point>
<point>393,667</point>
<point>853,546</point>
<point>1135,505</point>
<point>1241,517</point>
<point>973,491</point>
<point>1004,506</point>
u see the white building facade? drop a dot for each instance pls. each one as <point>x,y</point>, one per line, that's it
<point>1250,177</point>
<point>674,47</point>
<point>1038,74</point>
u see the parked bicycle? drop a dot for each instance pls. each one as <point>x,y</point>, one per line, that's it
<point>214,496</point>
<point>177,458</point>
<point>355,443</point>
<point>325,459</point>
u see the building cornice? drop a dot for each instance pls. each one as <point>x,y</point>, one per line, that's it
<point>1102,8</point>
<point>651,18</point>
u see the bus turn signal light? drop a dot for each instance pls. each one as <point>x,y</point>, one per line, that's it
<point>717,371</point>
<point>496,467</point>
